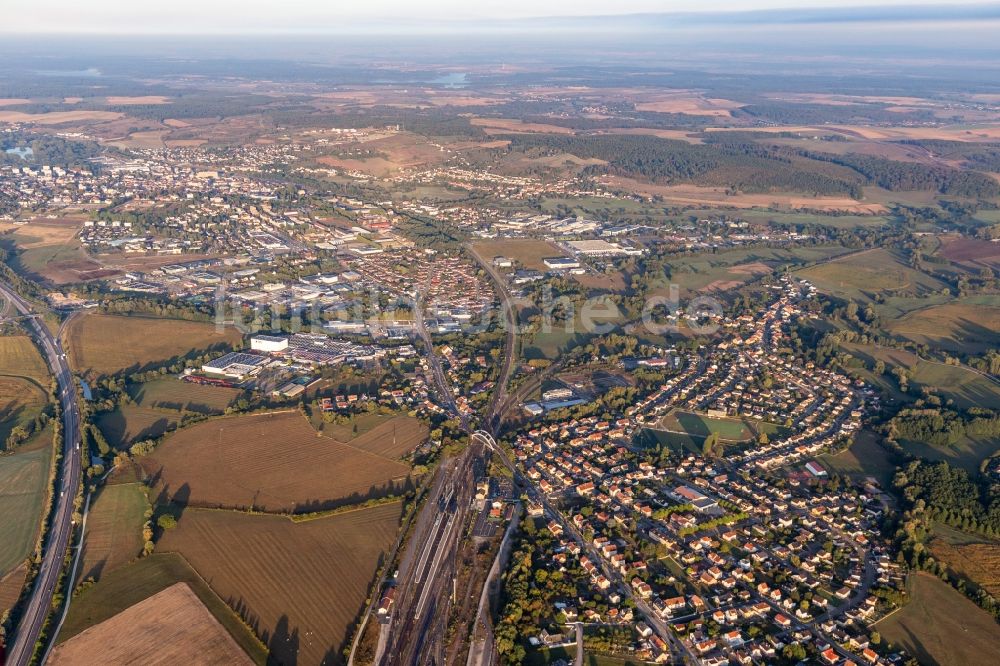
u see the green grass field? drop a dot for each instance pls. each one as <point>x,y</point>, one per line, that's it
<point>861,275</point>
<point>134,582</point>
<point>940,626</point>
<point>864,458</point>
<point>129,424</point>
<point>114,529</point>
<point>24,478</point>
<point>726,269</point>
<point>961,384</point>
<point>21,400</point>
<point>173,394</point>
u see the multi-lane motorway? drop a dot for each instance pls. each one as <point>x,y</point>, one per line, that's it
<point>61,526</point>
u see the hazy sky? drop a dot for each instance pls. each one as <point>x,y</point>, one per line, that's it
<point>241,16</point>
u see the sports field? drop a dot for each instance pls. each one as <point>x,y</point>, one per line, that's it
<point>700,426</point>
<point>100,344</point>
<point>174,394</point>
<point>171,627</point>
<point>275,462</point>
<point>24,478</point>
<point>940,626</point>
<point>301,584</point>
<point>130,584</point>
<point>114,529</point>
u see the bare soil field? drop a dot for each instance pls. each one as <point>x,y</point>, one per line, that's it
<point>301,586</point>
<point>940,626</point>
<point>275,462</point>
<point>14,101</point>
<point>101,344</point>
<point>114,529</point>
<point>717,196</point>
<point>971,251</point>
<point>170,627</point>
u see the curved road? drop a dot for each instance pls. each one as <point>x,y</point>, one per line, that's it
<point>61,527</point>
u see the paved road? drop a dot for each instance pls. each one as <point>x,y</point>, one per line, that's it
<point>61,527</point>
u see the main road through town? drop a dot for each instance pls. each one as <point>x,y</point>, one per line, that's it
<point>39,605</point>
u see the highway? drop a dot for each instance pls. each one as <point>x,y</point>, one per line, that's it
<point>60,530</point>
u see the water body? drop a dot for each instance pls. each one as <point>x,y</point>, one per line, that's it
<point>24,153</point>
<point>89,73</point>
<point>451,80</point>
<point>85,388</point>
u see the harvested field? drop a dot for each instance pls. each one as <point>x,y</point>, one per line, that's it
<point>529,253</point>
<point>389,437</point>
<point>174,394</point>
<point>688,103</point>
<point>24,482</point>
<point>274,462</point>
<point>10,587</point>
<point>300,585</point>
<point>955,327</point>
<point>941,626</point>
<point>128,424</point>
<point>19,357</point>
<point>114,529</point>
<point>141,99</point>
<point>105,344</point>
<point>170,627</point>
<point>978,561</point>
<point>120,589</point>
<point>57,117</point>
<point>507,126</point>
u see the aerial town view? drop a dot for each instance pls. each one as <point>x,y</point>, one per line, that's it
<point>481,334</point>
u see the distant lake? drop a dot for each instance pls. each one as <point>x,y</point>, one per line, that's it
<point>90,72</point>
<point>452,80</point>
<point>23,153</point>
